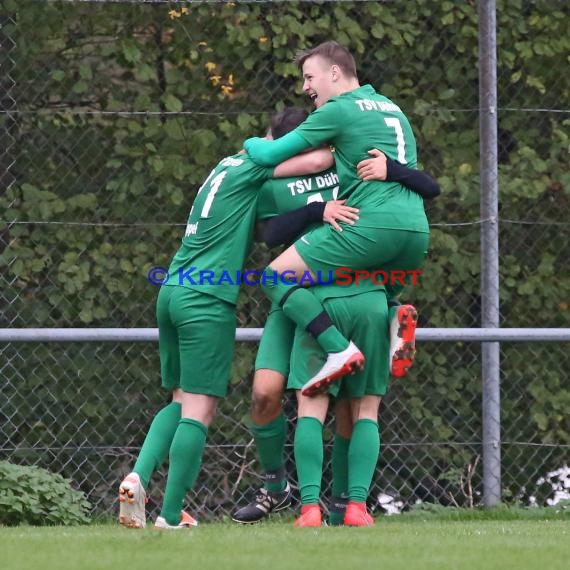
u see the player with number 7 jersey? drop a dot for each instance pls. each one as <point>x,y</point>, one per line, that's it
<point>353,123</point>
<point>392,232</point>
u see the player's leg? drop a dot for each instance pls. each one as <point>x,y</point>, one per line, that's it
<point>339,462</point>
<point>206,330</point>
<point>299,303</point>
<point>359,316</point>
<point>325,250</point>
<point>198,411</point>
<point>154,451</point>
<point>269,429</point>
<point>363,455</point>
<point>283,284</point>
<point>309,455</point>
<point>306,357</point>
<point>370,314</point>
<point>269,426</point>
<point>403,318</point>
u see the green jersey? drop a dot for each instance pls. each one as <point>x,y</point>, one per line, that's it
<point>281,195</point>
<point>354,123</point>
<point>219,232</point>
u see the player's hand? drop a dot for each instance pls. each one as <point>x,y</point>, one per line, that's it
<point>336,211</point>
<point>373,168</point>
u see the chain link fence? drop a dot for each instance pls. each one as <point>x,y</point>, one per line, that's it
<point>112,113</point>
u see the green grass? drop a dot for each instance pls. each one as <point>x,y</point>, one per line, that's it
<point>417,541</point>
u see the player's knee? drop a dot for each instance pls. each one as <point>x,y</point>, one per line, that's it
<point>265,406</point>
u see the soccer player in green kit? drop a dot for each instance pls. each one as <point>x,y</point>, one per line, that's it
<point>272,363</point>
<point>363,315</point>
<point>196,320</point>
<point>392,232</point>
<point>278,196</point>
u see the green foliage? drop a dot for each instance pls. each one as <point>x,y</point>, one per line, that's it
<point>32,495</point>
<point>123,110</point>
<point>431,512</point>
<point>207,96</point>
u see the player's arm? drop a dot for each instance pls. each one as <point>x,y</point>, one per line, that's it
<point>380,167</point>
<point>305,163</point>
<point>272,152</point>
<point>319,128</point>
<point>285,228</point>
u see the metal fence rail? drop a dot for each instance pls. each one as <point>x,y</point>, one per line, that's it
<point>111,115</point>
<point>254,334</point>
<point>88,422</point>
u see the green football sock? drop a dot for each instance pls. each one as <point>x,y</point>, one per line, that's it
<point>309,458</point>
<point>157,442</point>
<point>185,461</point>
<point>363,454</point>
<point>302,307</point>
<point>339,463</point>
<point>269,442</point>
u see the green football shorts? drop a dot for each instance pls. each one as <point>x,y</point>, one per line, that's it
<point>362,318</point>
<point>363,246</point>
<point>196,339</point>
<point>274,352</point>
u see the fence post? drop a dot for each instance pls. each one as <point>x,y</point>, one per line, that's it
<point>489,251</point>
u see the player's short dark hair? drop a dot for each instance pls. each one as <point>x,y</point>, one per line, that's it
<point>334,53</point>
<point>287,120</point>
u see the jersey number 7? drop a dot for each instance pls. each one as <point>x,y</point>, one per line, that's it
<point>395,124</point>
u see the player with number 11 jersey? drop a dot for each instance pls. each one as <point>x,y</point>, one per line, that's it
<point>219,232</point>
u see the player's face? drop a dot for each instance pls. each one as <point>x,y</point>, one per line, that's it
<point>319,80</point>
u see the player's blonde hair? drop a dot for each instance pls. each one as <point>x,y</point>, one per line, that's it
<point>334,53</point>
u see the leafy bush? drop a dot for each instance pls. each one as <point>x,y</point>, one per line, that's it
<point>35,496</point>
